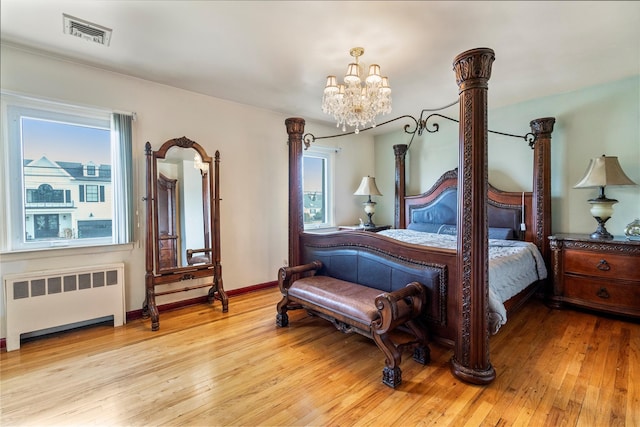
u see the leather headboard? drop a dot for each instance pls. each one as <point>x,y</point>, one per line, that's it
<point>440,216</point>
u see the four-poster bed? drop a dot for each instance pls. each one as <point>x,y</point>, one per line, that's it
<point>457,308</point>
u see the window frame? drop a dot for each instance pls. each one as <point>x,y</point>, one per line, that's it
<point>14,107</point>
<point>328,155</point>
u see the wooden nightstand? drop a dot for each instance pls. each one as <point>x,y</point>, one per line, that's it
<point>601,275</point>
<point>358,228</point>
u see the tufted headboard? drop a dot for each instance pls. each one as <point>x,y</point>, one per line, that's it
<point>436,210</point>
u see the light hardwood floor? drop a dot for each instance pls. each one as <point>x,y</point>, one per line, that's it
<point>208,368</point>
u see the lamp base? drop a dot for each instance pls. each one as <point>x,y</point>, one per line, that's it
<point>369,209</point>
<point>369,224</point>
<point>597,235</point>
<point>601,232</point>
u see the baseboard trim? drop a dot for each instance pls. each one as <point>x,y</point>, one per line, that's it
<point>137,314</point>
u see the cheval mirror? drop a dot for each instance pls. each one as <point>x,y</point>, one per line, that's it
<point>183,222</point>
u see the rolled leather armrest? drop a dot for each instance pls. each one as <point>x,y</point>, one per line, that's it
<point>400,306</point>
<point>285,274</point>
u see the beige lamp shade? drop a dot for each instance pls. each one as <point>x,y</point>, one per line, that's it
<point>374,74</point>
<point>603,171</point>
<point>385,85</point>
<point>332,85</point>
<point>368,187</point>
<point>353,74</point>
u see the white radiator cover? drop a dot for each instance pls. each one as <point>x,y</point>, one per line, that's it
<point>47,299</point>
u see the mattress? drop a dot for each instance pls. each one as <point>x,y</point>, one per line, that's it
<point>513,265</point>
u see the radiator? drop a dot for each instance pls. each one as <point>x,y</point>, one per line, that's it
<point>49,299</point>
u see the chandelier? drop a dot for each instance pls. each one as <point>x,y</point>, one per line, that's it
<point>356,102</point>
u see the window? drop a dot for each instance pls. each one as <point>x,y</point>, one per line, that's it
<point>92,193</point>
<point>90,170</point>
<point>317,187</point>
<point>68,176</point>
<point>45,194</point>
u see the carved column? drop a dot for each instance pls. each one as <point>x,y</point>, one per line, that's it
<point>542,129</point>
<point>471,354</point>
<point>400,152</point>
<point>295,129</point>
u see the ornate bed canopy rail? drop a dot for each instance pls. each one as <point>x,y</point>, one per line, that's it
<point>418,126</point>
<point>529,137</point>
<point>310,138</point>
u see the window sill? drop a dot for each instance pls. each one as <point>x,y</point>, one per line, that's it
<point>328,229</point>
<point>64,251</point>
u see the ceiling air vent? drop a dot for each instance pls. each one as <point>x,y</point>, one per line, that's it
<point>86,30</point>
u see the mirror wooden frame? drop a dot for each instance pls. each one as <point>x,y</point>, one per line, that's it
<point>156,274</point>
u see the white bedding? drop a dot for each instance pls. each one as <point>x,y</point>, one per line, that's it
<point>513,265</point>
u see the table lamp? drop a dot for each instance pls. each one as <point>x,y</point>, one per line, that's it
<point>603,171</point>
<point>368,188</point>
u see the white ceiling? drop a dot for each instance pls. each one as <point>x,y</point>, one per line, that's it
<point>276,54</point>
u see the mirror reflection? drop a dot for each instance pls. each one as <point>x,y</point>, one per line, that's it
<point>183,216</point>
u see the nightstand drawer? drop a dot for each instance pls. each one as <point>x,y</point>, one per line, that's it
<point>601,264</point>
<point>603,292</point>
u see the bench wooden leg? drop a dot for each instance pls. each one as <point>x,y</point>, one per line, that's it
<point>282,318</point>
<point>391,375</point>
<point>421,352</point>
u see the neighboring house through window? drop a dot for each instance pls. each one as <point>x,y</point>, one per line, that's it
<point>59,173</point>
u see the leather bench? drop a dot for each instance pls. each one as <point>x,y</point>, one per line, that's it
<point>353,307</point>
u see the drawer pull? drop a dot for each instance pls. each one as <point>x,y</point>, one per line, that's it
<point>603,265</point>
<point>603,293</point>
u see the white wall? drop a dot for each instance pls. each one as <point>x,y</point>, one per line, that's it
<point>253,169</point>
<point>603,119</point>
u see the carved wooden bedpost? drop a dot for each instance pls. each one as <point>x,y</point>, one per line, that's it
<point>295,129</point>
<point>470,361</point>
<point>400,152</point>
<point>542,129</point>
